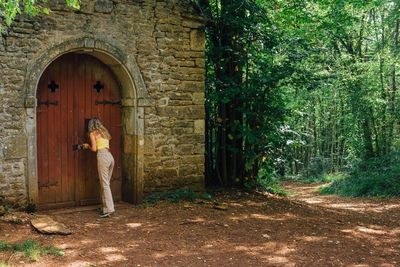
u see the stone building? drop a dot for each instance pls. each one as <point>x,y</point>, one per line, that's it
<point>138,65</point>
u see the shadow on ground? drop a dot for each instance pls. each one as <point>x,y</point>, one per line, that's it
<point>254,230</point>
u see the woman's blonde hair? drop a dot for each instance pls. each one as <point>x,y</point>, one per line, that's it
<point>95,125</point>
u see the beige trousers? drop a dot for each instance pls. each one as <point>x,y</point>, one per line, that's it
<point>105,166</point>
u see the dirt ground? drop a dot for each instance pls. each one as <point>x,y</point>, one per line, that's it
<point>303,229</point>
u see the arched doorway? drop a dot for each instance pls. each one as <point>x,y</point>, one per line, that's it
<point>74,88</point>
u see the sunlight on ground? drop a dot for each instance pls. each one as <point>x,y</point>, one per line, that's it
<point>309,196</point>
<point>371,231</point>
<point>108,249</point>
<point>133,225</point>
<point>198,220</point>
<point>365,232</point>
<point>260,252</point>
<point>314,201</point>
<point>87,242</point>
<point>114,257</point>
<point>79,264</point>
<point>92,225</point>
<point>270,218</point>
<point>310,238</point>
<point>160,255</point>
<point>375,236</point>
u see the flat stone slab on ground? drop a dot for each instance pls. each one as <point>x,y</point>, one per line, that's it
<point>46,225</point>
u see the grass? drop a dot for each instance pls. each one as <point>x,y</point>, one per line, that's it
<point>31,249</point>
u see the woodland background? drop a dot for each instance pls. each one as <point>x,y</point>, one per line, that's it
<point>304,90</point>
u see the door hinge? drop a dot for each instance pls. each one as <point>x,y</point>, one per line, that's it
<point>47,103</point>
<point>47,184</point>
<point>108,102</point>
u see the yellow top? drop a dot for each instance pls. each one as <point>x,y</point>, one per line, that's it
<point>102,143</point>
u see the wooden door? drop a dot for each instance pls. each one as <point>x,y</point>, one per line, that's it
<point>73,89</point>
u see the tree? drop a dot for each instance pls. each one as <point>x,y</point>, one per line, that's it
<point>345,88</point>
<point>244,106</point>
<point>10,8</point>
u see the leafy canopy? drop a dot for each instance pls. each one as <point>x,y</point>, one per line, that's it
<point>10,8</point>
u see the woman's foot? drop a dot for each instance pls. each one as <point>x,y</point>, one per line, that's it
<point>106,214</point>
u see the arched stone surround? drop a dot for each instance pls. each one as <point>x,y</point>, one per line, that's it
<point>134,99</point>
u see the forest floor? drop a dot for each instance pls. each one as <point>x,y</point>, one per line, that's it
<point>247,229</point>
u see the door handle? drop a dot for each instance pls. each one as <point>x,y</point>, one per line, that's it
<point>77,147</point>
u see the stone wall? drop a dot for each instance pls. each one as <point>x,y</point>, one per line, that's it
<point>167,41</point>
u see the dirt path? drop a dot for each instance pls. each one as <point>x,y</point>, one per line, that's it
<point>303,229</point>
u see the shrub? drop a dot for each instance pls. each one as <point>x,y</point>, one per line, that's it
<point>377,177</point>
<point>266,181</point>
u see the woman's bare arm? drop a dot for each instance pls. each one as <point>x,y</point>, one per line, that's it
<point>92,145</point>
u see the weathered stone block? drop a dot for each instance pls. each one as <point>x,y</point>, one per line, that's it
<point>193,159</point>
<point>200,62</point>
<point>184,149</point>
<point>197,40</point>
<point>189,54</point>
<point>180,131</point>
<point>103,6</point>
<point>192,138</point>
<point>192,24</point>
<point>166,150</point>
<point>166,173</point>
<point>179,96</point>
<point>199,126</point>
<point>148,145</point>
<point>198,98</point>
<point>199,149</point>
<point>193,86</point>
<point>15,147</point>
<point>188,170</point>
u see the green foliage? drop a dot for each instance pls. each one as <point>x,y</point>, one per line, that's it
<point>344,88</point>
<point>317,167</point>
<point>10,8</point>
<point>376,177</point>
<point>244,104</point>
<point>185,194</point>
<point>32,249</point>
<point>320,179</point>
<point>265,181</point>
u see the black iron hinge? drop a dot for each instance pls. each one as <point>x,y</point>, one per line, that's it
<point>47,184</point>
<point>47,103</point>
<point>108,102</point>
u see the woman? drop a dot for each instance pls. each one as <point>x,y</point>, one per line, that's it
<point>99,142</point>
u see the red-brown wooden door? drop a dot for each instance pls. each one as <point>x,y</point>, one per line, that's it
<point>74,88</point>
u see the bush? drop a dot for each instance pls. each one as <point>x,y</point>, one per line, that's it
<point>266,181</point>
<point>377,177</point>
<point>321,179</point>
<point>317,167</point>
